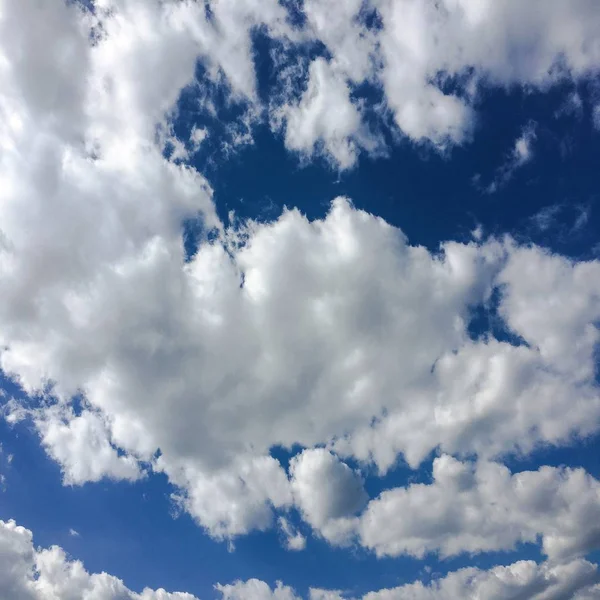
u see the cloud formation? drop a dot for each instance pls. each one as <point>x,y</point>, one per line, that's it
<point>576,580</point>
<point>474,508</point>
<point>27,573</point>
<point>30,573</point>
<point>336,335</point>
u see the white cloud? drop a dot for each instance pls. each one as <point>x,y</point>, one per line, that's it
<point>339,27</point>
<point>197,136</point>
<point>327,492</point>
<point>231,501</point>
<point>255,589</point>
<point>575,580</point>
<point>81,445</point>
<point>326,115</point>
<point>321,594</point>
<point>490,41</point>
<point>482,507</point>
<point>521,154</point>
<point>432,58</point>
<point>334,317</point>
<point>27,573</point>
<point>294,540</point>
<point>342,334</point>
<point>30,573</point>
<point>559,313</point>
<point>523,579</point>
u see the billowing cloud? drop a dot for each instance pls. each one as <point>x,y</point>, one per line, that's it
<point>327,492</point>
<point>255,589</point>
<point>474,508</point>
<point>334,333</point>
<point>81,445</point>
<point>576,580</point>
<point>27,573</point>
<point>432,58</point>
<point>524,579</point>
<point>331,318</point>
<point>30,573</point>
<point>325,115</point>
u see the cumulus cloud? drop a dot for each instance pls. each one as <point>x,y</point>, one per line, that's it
<point>432,58</point>
<point>343,30</point>
<point>574,580</point>
<point>326,116</point>
<point>230,501</point>
<point>30,573</point>
<point>333,318</point>
<point>327,492</point>
<point>27,573</point>
<point>482,507</point>
<point>255,589</point>
<point>524,579</point>
<point>334,333</point>
<point>81,445</point>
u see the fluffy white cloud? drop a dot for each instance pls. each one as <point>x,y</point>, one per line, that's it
<point>327,492</point>
<point>575,580</point>
<point>326,116</point>
<point>293,539</point>
<point>433,57</point>
<point>477,42</point>
<point>523,579</point>
<point>27,573</point>
<point>255,589</point>
<point>335,332</point>
<point>333,319</point>
<point>233,500</point>
<point>559,313</point>
<point>81,445</point>
<point>340,27</point>
<point>482,507</point>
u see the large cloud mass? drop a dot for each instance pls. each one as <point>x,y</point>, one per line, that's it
<point>337,334</point>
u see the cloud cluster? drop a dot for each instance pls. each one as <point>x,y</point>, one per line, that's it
<point>427,60</point>
<point>215,361</point>
<point>27,573</point>
<point>576,580</point>
<point>327,493</point>
<point>475,508</point>
<point>432,59</point>
<point>336,335</point>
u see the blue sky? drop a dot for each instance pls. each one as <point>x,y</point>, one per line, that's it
<point>299,292</point>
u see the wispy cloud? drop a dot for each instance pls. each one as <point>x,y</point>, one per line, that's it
<point>522,153</point>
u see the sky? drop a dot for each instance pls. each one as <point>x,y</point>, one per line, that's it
<point>300,300</point>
